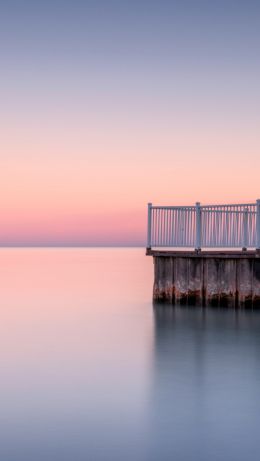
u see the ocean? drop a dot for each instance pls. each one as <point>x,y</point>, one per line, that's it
<point>91,370</point>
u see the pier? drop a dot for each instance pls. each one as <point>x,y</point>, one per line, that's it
<point>206,254</point>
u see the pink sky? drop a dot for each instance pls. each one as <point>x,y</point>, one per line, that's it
<point>100,120</point>
<point>85,193</point>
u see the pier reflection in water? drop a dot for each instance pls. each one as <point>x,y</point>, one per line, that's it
<point>205,394</point>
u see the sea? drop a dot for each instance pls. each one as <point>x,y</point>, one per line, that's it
<point>91,370</point>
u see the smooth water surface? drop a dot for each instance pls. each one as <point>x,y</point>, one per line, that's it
<point>89,370</point>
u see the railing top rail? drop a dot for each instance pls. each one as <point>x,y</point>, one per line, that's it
<point>161,207</point>
<point>191,207</point>
<point>230,205</point>
<point>227,211</point>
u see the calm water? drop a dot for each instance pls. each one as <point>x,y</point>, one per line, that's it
<point>90,371</point>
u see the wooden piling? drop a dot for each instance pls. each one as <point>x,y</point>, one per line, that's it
<point>226,279</point>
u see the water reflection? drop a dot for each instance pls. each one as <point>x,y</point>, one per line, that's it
<point>75,354</point>
<point>205,395</point>
<point>90,372</point>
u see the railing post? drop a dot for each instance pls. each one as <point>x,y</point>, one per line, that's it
<point>198,227</point>
<point>149,226</point>
<point>245,229</point>
<point>258,224</point>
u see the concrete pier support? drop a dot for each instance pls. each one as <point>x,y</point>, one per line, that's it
<point>227,279</point>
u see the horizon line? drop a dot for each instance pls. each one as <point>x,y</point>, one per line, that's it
<point>72,246</point>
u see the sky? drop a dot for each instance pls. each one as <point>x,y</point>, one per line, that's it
<point>109,105</point>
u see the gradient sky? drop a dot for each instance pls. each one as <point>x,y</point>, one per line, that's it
<point>108,105</point>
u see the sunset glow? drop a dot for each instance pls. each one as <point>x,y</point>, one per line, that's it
<point>106,107</point>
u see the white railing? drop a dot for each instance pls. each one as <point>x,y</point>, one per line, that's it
<point>208,226</point>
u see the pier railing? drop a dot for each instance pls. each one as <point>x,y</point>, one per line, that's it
<point>204,226</point>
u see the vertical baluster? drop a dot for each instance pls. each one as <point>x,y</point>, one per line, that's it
<point>154,227</point>
<point>210,236</point>
<point>177,239</point>
<point>173,226</point>
<point>258,224</point>
<point>170,229</point>
<point>156,236</point>
<point>165,227</point>
<point>223,226</point>
<point>198,226</point>
<point>179,227</point>
<point>235,226</point>
<point>157,226</point>
<point>245,229</point>
<point>194,227</point>
<point>149,225</point>
<point>188,228</point>
<point>213,214</point>
<point>183,225</point>
<point>227,234</point>
<point>208,217</point>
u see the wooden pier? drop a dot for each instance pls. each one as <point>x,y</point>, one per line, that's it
<point>215,271</point>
